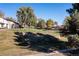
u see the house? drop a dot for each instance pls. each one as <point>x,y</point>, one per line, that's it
<point>9,24</point>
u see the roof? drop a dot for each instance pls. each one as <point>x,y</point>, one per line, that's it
<point>4,20</point>
<point>11,20</point>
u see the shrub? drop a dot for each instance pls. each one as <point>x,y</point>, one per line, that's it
<point>73,40</point>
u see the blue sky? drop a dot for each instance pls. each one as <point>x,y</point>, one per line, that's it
<point>55,11</point>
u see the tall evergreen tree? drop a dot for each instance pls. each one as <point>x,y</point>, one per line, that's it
<point>72,22</point>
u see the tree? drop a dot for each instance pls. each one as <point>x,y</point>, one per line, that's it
<point>21,16</point>
<point>56,23</point>
<point>72,22</point>
<point>49,24</point>
<point>1,14</point>
<point>68,22</point>
<point>56,26</point>
<point>10,19</point>
<point>25,16</point>
<point>41,24</point>
<point>31,17</point>
<point>33,21</point>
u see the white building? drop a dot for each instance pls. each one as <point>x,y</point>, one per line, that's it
<point>7,24</point>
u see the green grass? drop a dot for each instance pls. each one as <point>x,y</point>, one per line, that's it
<point>26,30</point>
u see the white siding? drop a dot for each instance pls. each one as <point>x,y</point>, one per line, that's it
<point>10,24</point>
<point>4,23</point>
<point>7,24</point>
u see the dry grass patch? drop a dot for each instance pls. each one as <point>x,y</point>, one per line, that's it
<point>7,44</point>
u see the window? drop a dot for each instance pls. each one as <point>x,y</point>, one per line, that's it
<point>2,25</point>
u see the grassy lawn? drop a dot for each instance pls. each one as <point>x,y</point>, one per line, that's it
<point>50,32</point>
<point>7,44</point>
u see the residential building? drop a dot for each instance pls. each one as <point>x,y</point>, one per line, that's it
<point>5,23</point>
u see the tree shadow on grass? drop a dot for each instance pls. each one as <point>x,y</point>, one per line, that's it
<point>39,42</point>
